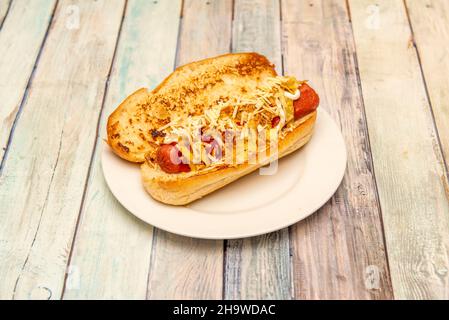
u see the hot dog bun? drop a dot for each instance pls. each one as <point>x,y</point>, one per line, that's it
<point>136,128</point>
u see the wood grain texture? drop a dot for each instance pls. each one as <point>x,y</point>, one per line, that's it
<point>42,182</point>
<point>23,32</point>
<point>185,268</point>
<point>258,267</point>
<point>406,154</point>
<point>4,7</point>
<point>430,23</point>
<point>256,27</point>
<point>111,256</point>
<point>338,253</point>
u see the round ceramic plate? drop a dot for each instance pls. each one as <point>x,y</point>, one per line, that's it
<point>253,205</point>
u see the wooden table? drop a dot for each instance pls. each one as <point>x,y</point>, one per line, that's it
<point>381,68</point>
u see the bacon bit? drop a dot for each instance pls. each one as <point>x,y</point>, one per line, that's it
<point>275,121</point>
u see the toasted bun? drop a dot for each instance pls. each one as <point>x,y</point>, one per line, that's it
<point>183,188</point>
<point>133,128</point>
<point>190,89</point>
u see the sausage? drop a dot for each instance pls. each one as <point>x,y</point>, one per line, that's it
<point>169,159</point>
<point>307,102</point>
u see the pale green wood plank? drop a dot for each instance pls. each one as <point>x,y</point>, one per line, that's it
<point>43,179</point>
<point>407,158</point>
<point>21,38</point>
<point>338,253</point>
<point>185,268</point>
<point>258,267</point>
<point>111,255</point>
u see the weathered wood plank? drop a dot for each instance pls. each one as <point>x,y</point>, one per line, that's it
<point>4,7</point>
<point>407,158</point>
<point>430,23</point>
<point>23,32</point>
<point>338,253</point>
<point>42,182</point>
<point>185,268</point>
<point>112,250</point>
<point>258,267</point>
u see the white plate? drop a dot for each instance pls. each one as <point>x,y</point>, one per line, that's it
<point>255,204</point>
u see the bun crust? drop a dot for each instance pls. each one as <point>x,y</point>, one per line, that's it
<point>183,188</point>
